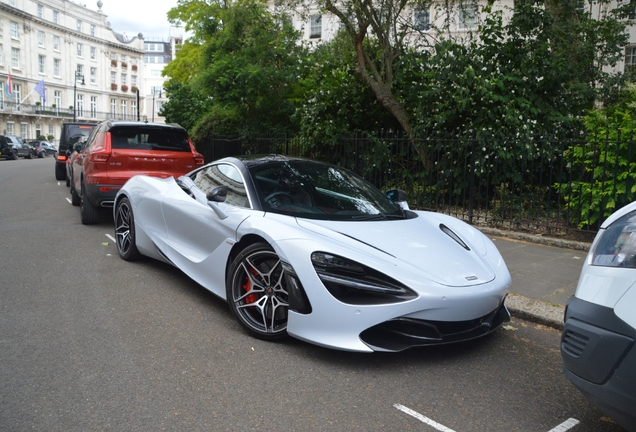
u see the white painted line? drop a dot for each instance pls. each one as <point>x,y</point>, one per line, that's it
<point>423,419</point>
<point>111,237</point>
<point>69,200</point>
<point>566,425</point>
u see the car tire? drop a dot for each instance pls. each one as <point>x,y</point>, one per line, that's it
<point>41,155</point>
<point>89,214</point>
<point>14,155</point>
<point>125,231</point>
<point>263,313</point>
<point>30,155</point>
<point>76,200</point>
<point>60,171</point>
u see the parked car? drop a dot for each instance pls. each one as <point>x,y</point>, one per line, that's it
<point>11,147</point>
<point>303,248</point>
<point>117,150</point>
<point>597,343</point>
<point>43,149</point>
<point>71,133</point>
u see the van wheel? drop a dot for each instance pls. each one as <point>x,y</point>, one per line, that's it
<point>60,171</point>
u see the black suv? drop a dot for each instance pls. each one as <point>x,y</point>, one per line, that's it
<point>12,148</point>
<point>71,133</point>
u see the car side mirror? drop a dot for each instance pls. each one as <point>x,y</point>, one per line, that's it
<point>399,197</point>
<point>217,194</point>
<point>214,197</point>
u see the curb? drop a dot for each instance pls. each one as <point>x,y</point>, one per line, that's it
<point>547,241</point>
<point>536,311</point>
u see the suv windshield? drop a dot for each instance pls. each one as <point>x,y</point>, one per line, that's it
<point>149,138</point>
<point>319,191</point>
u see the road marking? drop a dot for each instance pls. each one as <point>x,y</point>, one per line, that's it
<point>563,427</point>
<point>111,237</point>
<point>69,201</point>
<point>423,419</point>
<point>566,425</point>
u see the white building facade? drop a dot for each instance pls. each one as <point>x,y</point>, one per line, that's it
<point>61,61</point>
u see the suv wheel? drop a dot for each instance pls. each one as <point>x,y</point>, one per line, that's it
<point>75,198</point>
<point>14,155</point>
<point>89,214</point>
<point>60,171</point>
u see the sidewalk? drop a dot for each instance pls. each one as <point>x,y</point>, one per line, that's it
<point>544,272</point>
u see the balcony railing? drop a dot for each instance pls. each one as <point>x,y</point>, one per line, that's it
<point>53,112</point>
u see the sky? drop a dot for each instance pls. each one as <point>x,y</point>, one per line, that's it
<point>137,16</point>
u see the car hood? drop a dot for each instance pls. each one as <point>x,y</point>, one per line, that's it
<point>418,243</point>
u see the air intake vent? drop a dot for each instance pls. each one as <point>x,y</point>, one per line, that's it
<point>454,236</point>
<point>574,343</point>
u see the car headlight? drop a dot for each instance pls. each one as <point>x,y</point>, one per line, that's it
<point>616,246</point>
<point>354,283</point>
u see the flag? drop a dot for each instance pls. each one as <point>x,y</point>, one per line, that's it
<point>9,86</point>
<point>40,90</point>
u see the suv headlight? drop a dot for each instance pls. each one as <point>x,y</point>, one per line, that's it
<point>354,283</point>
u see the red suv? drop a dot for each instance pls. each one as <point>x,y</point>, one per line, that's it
<point>117,150</point>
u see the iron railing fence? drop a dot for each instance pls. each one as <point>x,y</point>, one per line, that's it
<point>540,182</point>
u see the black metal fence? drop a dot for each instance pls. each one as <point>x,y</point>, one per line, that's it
<point>556,184</point>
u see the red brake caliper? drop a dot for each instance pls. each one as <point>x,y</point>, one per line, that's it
<point>248,287</point>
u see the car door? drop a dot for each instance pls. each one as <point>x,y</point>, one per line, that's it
<point>200,238</point>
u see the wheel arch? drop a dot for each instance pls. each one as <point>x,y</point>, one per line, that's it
<point>244,242</point>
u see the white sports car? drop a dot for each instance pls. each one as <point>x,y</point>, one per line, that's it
<point>303,248</point>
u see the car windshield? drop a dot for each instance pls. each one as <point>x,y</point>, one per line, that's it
<point>318,191</point>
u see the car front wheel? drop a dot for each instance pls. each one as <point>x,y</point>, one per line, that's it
<point>125,231</point>
<point>257,292</point>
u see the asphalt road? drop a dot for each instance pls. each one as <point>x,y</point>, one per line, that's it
<point>89,342</point>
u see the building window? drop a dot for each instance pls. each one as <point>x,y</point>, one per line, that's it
<point>123,79</point>
<point>153,47</point>
<point>51,129</point>
<point>41,64</point>
<point>13,26</point>
<point>80,50</point>
<point>156,90</point>
<point>55,17</point>
<point>92,29</point>
<point>15,58</point>
<point>315,26</point>
<point>133,80</point>
<point>156,73</point>
<point>56,67</point>
<point>133,107</point>
<point>113,77</point>
<point>93,53</point>
<point>80,105</point>
<point>56,43</point>
<point>23,130</point>
<point>124,109</point>
<point>93,75</point>
<point>40,11</point>
<point>17,95</point>
<point>630,57</point>
<point>40,38</point>
<point>10,130</point>
<point>422,19</point>
<point>467,16</point>
<point>113,108</point>
<point>79,26</point>
<point>80,69</point>
<point>122,58</point>
<point>113,56</point>
<point>93,106</point>
<point>57,98</point>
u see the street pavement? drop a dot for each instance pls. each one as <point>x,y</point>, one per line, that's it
<point>545,272</point>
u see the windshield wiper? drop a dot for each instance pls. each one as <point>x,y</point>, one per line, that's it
<point>368,217</point>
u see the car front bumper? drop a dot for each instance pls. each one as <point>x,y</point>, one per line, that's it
<point>599,357</point>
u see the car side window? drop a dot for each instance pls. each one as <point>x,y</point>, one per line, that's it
<point>223,175</point>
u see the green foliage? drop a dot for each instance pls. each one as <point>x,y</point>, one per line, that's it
<point>186,106</point>
<point>603,164</point>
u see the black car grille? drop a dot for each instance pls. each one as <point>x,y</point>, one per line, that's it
<point>574,343</point>
<point>402,333</point>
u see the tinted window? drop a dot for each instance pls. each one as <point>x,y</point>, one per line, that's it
<point>223,175</point>
<point>149,138</point>
<point>75,133</point>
